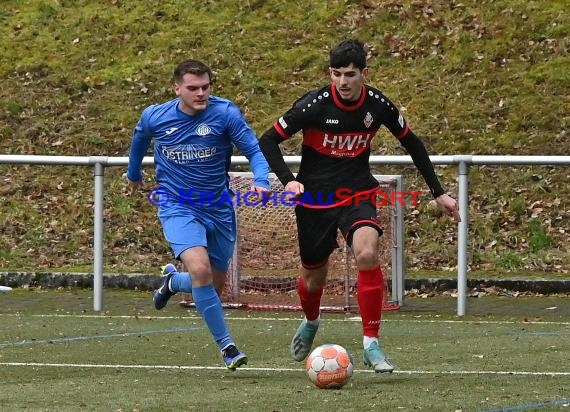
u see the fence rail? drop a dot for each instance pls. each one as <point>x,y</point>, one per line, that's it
<point>463,162</point>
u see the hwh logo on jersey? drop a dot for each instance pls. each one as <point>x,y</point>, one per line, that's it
<point>368,119</point>
<point>347,141</point>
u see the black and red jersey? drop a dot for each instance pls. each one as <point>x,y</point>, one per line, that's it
<point>336,141</point>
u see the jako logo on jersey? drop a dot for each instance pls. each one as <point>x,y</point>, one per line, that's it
<point>171,130</point>
<point>368,119</point>
<point>332,121</point>
<point>283,123</point>
<point>203,129</point>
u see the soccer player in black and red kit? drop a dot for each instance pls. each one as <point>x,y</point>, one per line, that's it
<point>338,123</point>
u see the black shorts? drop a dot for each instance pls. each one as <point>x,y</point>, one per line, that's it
<point>317,229</point>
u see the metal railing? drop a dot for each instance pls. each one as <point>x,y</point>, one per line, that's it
<point>464,162</point>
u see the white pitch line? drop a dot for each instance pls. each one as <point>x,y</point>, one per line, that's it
<point>182,367</point>
<point>351,319</point>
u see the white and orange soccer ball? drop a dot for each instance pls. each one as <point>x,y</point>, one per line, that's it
<point>329,366</point>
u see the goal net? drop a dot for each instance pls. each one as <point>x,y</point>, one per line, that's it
<point>265,265</point>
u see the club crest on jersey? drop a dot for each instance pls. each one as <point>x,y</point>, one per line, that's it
<point>401,121</point>
<point>203,129</point>
<point>368,119</point>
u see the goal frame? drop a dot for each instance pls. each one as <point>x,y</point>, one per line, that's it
<point>398,268</point>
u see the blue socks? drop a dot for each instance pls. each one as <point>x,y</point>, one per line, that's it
<point>180,282</point>
<point>209,305</point>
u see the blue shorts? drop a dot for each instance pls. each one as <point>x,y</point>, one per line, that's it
<point>214,228</point>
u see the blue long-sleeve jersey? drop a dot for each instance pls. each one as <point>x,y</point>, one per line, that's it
<point>192,153</point>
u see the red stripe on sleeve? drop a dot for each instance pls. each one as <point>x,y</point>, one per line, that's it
<point>404,132</point>
<point>281,132</point>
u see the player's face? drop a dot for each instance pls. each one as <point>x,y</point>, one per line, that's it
<point>348,81</point>
<point>193,92</point>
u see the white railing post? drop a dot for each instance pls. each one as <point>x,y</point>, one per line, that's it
<point>98,230</point>
<point>400,263</point>
<point>462,233</point>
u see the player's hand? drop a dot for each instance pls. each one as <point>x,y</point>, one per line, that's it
<point>132,186</point>
<point>260,190</point>
<point>449,206</point>
<point>294,188</point>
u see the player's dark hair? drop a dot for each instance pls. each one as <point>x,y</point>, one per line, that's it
<point>191,66</point>
<point>347,52</point>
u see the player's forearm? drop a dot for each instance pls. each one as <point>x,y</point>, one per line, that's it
<point>260,169</point>
<point>270,149</point>
<point>419,155</point>
<point>139,146</point>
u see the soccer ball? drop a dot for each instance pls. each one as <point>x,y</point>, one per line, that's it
<point>329,366</point>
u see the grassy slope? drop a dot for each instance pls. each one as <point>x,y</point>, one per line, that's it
<point>476,77</point>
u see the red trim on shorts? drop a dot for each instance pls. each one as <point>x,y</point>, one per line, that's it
<point>315,266</point>
<point>361,222</point>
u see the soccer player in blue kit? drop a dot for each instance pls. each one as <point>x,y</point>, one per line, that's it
<point>194,135</point>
